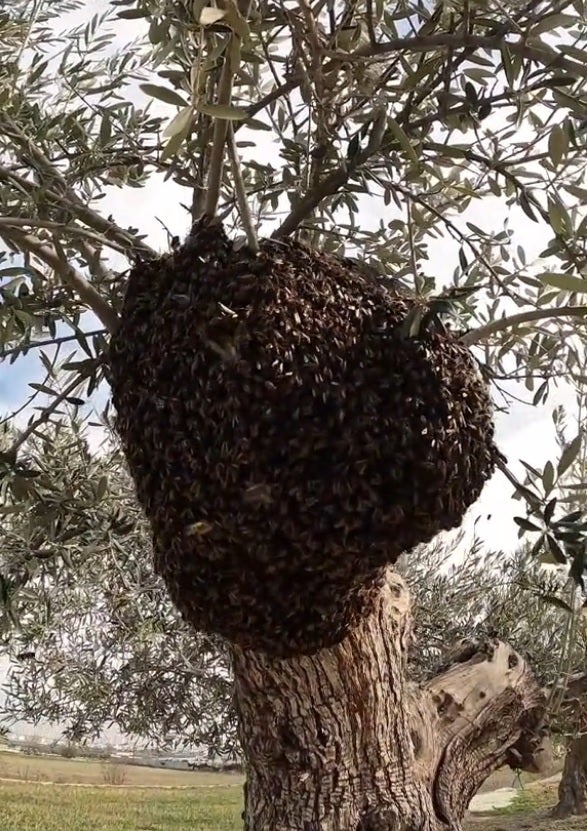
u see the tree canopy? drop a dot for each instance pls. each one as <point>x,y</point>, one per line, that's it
<point>443,146</point>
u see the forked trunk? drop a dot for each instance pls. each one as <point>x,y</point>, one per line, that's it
<point>342,741</point>
<point>571,789</point>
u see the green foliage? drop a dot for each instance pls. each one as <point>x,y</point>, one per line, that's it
<point>95,641</point>
<point>555,506</point>
<point>480,594</point>
<point>92,635</point>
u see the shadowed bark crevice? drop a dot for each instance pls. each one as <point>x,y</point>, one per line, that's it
<point>341,739</point>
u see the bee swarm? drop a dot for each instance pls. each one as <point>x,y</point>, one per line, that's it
<point>287,441</point>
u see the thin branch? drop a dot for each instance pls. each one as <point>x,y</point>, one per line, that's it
<point>92,256</point>
<point>111,232</point>
<point>276,93</point>
<point>73,278</point>
<point>456,232</point>
<point>73,230</point>
<point>501,168</point>
<point>462,40</point>
<point>241,193</point>
<point>64,195</point>
<point>501,465</point>
<point>488,329</point>
<point>47,411</point>
<point>38,344</point>
<point>334,181</point>
<point>216,164</point>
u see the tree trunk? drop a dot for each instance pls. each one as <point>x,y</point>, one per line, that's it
<point>571,789</point>
<point>341,741</point>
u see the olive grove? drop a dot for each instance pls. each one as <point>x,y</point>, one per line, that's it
<point>374,226</point>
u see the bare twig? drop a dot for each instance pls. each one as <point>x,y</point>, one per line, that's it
<point>413,261</point>
<point>73,278</point>
<point>241,193</point>
<point>494,326</point>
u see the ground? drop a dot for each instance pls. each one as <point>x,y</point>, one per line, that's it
<point>55,794</point>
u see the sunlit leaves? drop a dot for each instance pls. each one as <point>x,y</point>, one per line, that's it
<point>169,96</point>
<point>566,282</point>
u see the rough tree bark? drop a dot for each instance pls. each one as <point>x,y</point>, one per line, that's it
<point>571,789</point>
<point>342,741</point>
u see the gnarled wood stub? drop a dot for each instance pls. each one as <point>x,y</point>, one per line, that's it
<point>342,741</point>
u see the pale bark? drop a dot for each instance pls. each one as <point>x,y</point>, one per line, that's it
<point>342,741</point>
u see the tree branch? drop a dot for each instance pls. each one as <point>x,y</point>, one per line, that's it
<point>74,230</point>
<point>462,40</point>
<point>216,164</point>
<point>107,228</point>
<point>241,193</point>
<point>494,326</point>
<point>483,710</point>
<point>38,344</point>
<point>47,411</point>
<point>334,181</point>
<point>487,710</point>
<point>73,278</point>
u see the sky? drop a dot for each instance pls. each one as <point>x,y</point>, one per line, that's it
<point>525,432</point>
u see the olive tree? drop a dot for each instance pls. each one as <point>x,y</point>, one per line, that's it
<point>362,138</point>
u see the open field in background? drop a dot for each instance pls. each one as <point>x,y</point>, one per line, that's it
<point>96,772</point>
<point>164,800</point>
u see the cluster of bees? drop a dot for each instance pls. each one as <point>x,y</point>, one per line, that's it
<point>286,439</point>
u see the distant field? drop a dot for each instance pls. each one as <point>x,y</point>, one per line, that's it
<point>94,772</point>
<point>35,807</point>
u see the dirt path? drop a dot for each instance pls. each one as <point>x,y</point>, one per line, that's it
<point>502,797</point>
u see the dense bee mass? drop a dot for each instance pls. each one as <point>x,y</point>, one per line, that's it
<point>286,439</point>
